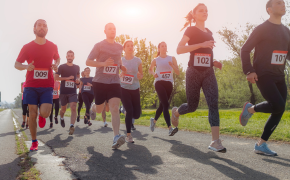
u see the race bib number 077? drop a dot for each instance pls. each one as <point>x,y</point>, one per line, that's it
<point>110,69</point>
<point>127,79</point>
<point>279,57</point>
<point>69,84</point>
<point>40,73</point>
<point>202,60</point>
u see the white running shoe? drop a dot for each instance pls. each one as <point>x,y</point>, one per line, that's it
<point>105,124</point>
<point>119,140</point>
<point>92,113</point>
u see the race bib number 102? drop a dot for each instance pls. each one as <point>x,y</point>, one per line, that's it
<point>69,84</point>
<point>40,73</point>
<point>127,79</point>
<point>110,69</point>
<point>279,57</point>
<point>202,60</point>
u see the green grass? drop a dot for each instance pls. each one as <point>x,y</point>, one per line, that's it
<point>229,123</point>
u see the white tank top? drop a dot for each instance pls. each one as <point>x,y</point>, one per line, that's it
<point>163,69</point>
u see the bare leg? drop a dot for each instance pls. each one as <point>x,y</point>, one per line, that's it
<point>114,104</point>
<point>73,107</point>
<point>45,110</point>
<point>32,120</point>
<point>62,111</point>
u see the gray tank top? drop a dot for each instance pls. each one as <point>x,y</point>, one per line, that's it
<point>163,69</point>
<point>130,81</point>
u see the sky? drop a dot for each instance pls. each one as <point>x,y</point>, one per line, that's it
<point>78,25</point>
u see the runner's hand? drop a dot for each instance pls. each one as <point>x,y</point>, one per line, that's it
<point>30,66</point>
<point>54,67</point>
<point>252,77</point>
<point>77,81</point>
<point>122,74</point>
<point>71,78</point>
<point>208,44</point>
<point>155,75</point>
<point>89,84</point>
<point>218,64</point>
<point>170,64</point>
<point>109,62</point>
<point>139,75</point>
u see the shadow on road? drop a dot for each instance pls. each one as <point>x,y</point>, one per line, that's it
<point>79,132</point>
<point>8,134</point>
<point>56,142</point>
<point>10,170</point>
<point>137,135</point>
<point>104,130</point>
<point>274,160</point>
<point>121,164</point>
<point>190,152</point>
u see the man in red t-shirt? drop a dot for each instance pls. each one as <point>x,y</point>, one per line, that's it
<point>39,54</point>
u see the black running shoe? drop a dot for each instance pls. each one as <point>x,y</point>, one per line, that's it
<point>78,119</point>
<point>62,123</point>
<point>85,119</point>
<point>23,124</point>
<point>51,125</point>
<point>89,123</point>
<point>55,120</point>
<point>133,127</point>
<point>26,126</point>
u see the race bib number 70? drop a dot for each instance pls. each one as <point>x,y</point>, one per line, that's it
<point>202,60</point>
<point>279,57</point>
<point>40,73</point>
<point>110,69</point>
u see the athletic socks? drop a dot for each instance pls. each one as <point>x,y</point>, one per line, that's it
<point>34,140</point>
<point>71,125</point>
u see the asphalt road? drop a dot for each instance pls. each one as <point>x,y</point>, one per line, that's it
<point>156,155</point>
<point>8,157</point>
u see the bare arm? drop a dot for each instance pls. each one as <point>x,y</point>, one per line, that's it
<point>80,86</point>
<point>175,66</point>
<point>140,72</point>
<point>151,68</point>
<point>57,78</point>
<point>182,48</point>
<point>93,63</point>
<point>20,66</point>
<point>21,87</point>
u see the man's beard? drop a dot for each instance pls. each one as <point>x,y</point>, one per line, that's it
<point>70,60</point>
<point>41,34</point>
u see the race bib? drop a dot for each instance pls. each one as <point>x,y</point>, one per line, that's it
<point>69,84</point>
<point>279,57</point>
<point>127,79</point>
<point>54,93</point>
<point>40,73</point>
<point>201,60</point>
<point>87,88</point>
<point>110,69</point>
<point>166,75</point>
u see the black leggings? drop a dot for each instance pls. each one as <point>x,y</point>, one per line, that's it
<point>131,103</point>
<point>164,90</point>
<point>55,102</point>
<point>25,110</point>
<point>274,90</point>
<point>195,80</point>
<point>80,104</point>
<point>88,99</point>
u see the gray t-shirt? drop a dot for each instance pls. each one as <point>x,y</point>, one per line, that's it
<point>131,81</point>
<point>101,52</point>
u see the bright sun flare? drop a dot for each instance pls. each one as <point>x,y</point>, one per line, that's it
<point>132,11</point>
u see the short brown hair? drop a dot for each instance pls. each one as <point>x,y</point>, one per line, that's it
<point>268,5</point>
<point>70,51</point>
<point>37,21</point>
<point>87,68</point>
<point>127,42</point>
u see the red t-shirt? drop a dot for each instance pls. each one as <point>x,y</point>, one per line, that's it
<point>42,55</point>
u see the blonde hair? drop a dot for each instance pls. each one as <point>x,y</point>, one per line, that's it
<point>189,17</point>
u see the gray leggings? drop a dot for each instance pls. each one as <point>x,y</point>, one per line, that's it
<point>195,80</point>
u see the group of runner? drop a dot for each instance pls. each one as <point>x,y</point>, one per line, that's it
<point>108,88</point>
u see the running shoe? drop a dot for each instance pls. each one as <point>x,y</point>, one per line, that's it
<point>41,121</point>
<point>133,127</point>
<point>26,126</point>
<point>245,115</point>
<point>89,123</point>
<point>217,146</point>
<point>85,120</point>
<point>152,124</point>
<point>92,113</point>
<point>55,120</point>
<point>62,123</point>
<point>105,124</point>
<point>23,124</point>
<point>78,119</point>
<point>119,140</point>
<point>263,149</point>
<point>173,131</point>
<point>174,119</point>
<point>129,139</point>
<point>71,130</point>
<point>51,125</point>
<point>34,146</point>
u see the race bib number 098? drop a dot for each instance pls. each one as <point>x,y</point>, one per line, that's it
<point>110,69</point>
<point>202,60</point>
<point>166,75</point>
<point>69,84</point>
<point>279,57</point>
<point>127,79</point>
<point>40,73</point>
<point>87,88</point>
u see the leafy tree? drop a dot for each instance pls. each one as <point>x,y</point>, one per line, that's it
<point>18,101</point>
